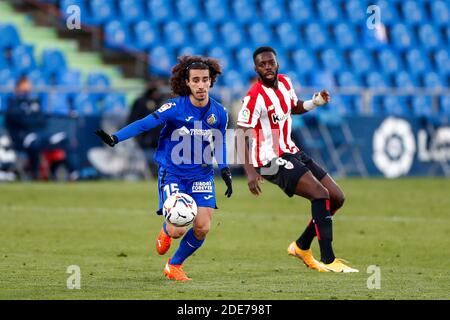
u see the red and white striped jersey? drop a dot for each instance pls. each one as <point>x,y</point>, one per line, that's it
<point>268,111</point>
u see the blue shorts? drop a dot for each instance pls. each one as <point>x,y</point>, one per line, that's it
<point>200,188</point>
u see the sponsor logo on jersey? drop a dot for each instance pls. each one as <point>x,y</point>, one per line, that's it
<point>202,186</point>
<point>276,118</point>
<point>211,119</point>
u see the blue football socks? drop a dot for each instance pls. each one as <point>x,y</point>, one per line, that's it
<point>187,247</point>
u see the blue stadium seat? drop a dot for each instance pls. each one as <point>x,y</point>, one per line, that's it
<point>97,80</point>
<point>388,10</point>
<point>160,10</point>
<point>333,60</point>
<point>7,78</point>
<point>413,12</point>
<point>323,80</point>
<point>204,34</point>
<point>342,105</point>
<point>37,78</point>
<point>405,80</point>
<point>376,80</point>
<point>217,11</point>
<point>442,61</point>
<point>296,79</point>
<point>316,36</point>
<point>429,36</point>
<point>375,38</point>
<point>56,103</point>
<point>114,103</point>
<point>145,35</point>
<point>232,35</point>
<point>102,11</point>
<point>225,58</point>
<point>188,10</point>
<point>10,37</point>
<point>401,36</point>
<point>175,34</point>
<point>361,61</point>
<point>356,11</point>
<point>300,10</point>
<point>52,62</point>
<point>328,11</point>
<point>245,60</point>
<point>244,10</point>
<point>283,59</point>
<point>444,102</point>
<point>304,60</point>
<point>389,61</point>
<point>85,105</point>
<point>348,79</point>
<point>70,78</point>
<point>131,10</point>
<point>117,34</point>
<point>344,35</point>
<point>273,11</point>
<point>235,81</point>
<point>417,61</point>
<point>161,61</point>
<point>440,11</point>
<point>23,58</point>
<point>433,80</point>
<point>189,51</point>
<point>260,34</point>
<point>423,106</point>
<point>396,106</point>
<point>288,35</point>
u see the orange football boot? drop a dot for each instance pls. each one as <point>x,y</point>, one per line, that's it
<point>163,242</point>
<point>175,272</point>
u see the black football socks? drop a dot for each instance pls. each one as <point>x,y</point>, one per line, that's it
<point>322,226</point>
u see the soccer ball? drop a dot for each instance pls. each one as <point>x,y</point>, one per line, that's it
<point>180,209</point>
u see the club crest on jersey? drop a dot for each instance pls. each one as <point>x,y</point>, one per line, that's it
<point>166,106</point>
<point>211,119</point>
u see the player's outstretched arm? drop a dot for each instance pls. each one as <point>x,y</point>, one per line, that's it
<point>133,129</point>
<point>318,99</point>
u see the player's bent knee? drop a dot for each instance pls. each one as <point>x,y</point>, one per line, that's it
<point>201,231</point>
<point>320,193</point>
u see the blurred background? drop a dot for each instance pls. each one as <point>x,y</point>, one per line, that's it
<point>68,67</point>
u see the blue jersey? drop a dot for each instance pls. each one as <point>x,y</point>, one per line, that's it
<point>192,137</point>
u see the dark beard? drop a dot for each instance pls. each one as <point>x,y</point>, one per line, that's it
<point>269,83</point>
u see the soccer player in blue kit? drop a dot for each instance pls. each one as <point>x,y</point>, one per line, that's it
<point>200,122</point>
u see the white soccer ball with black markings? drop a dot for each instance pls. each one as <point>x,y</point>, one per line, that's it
<point>180,209</point>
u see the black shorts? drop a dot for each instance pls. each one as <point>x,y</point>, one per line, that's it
<point>286,171</point>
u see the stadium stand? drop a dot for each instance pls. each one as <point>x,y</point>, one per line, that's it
<point>417,39</point>
<point>320,44</point>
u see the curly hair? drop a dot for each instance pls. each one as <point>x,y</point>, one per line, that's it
<point>180,72</point>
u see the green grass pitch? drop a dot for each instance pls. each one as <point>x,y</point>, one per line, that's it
<point>108,229</point>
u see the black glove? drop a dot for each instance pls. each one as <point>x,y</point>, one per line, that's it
<point>107,138</point>
<point>226,176</point>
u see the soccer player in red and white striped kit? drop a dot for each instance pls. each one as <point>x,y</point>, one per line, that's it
<point>266,111</point>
